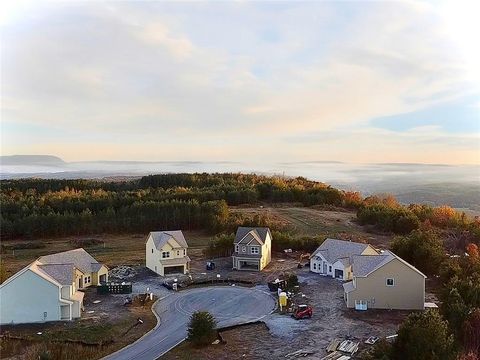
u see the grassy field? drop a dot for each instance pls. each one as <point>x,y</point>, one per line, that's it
<point>130,248</point>
<point>113,249</point>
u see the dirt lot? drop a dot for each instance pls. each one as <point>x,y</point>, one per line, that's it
<point>281,334</point>
<point>110,328</point>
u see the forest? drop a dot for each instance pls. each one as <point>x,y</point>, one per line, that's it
<point>44,208</point>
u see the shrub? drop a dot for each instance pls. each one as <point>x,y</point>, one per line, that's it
<point>424,336</point>
<point>201,329</point>
<point>422,248</point>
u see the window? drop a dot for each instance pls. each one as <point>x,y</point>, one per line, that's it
<point>184,252</point>
<point>330,268</point>
<point>315,266</point>
<point>244,249</point>
<point>390,282</point>
<point>254,250</point>
<point>236,248</point>
<point>152,251</point>
<point>178,252</point>
<point>165,254</point>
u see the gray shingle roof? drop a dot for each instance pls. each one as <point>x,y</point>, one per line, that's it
<point>249,233</point>
<point>63,273</point>
<point>333,249</point>
<point>160,238</point>
<point>365,264</point>
<point>82,260</point>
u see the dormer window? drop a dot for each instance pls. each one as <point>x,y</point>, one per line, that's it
<point>165,254</point>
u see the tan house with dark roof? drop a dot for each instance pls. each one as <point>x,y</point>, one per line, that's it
<point>252,248</point>
<point>166,252</point>
<point>384,281</point>
<point>47,289</point>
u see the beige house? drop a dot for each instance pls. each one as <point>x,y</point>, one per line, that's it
<point>47,289</point>
<point>384,281</point>
<point>334,258</point>
<point>252,248</point>
<point>166,252</point>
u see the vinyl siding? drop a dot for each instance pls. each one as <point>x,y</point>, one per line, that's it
<point>407,294</point>
<point>26,298</point>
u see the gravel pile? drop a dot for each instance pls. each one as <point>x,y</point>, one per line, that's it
<point>122,272</point>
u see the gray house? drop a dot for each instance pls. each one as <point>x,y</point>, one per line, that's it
<point>252,248</point>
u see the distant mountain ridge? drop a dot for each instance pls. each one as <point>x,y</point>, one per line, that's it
<point>48,160</point>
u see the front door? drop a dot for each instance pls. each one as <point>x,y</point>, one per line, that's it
<point>324,267</point>
<point>80,283</point>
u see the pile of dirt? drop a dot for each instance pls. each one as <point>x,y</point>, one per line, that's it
<point>122,272</point>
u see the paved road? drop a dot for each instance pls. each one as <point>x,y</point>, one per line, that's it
<point>229,305</point>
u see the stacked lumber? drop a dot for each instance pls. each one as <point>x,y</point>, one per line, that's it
<point>333,345</point>
<point>348,346</point>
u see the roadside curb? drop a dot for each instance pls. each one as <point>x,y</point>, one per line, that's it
<point>144,335</point>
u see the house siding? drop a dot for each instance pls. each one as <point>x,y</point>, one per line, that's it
<point>407,294</point>
<point>263,258</point>
<point>27,298</point>
<point>153,259</point>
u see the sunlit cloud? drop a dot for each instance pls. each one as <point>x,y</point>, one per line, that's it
<point>229,81</point>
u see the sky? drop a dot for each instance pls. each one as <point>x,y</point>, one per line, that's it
<point>276,81</point>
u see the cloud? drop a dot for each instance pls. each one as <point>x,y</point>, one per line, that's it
<point>229,79</point>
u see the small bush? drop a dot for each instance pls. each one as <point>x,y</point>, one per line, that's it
<point>201,329</point>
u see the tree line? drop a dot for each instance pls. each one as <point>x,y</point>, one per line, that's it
<point>41,208</point>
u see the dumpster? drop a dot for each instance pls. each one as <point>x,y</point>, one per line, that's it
<point>115,288</point>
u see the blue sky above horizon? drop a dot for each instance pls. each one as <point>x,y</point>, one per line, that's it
<point>350,81</point>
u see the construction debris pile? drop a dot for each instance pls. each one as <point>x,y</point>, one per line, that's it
<point>122,272</point>
<point>341,350</point>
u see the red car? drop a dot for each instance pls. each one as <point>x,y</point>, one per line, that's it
<point>303,312</point>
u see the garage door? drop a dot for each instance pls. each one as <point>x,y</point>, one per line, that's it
<point>174,270</point>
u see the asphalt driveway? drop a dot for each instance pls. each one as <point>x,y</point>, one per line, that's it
<point>230,305</point>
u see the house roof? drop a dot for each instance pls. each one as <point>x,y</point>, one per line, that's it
<point>160,238</point>
<point>63,273</point>
<point>363,265</point>
<point>81,259</point>
<point>333,249</point>
<point>245,235</point>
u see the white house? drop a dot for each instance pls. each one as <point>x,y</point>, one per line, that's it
<point>335,257</point>
<point>166,252</point>
<point>252,248</point>
<point>47,289</point>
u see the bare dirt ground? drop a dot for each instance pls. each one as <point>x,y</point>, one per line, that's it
<point>282,334</point>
